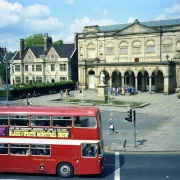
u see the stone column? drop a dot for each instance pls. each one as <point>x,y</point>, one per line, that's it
<point>166,85</point>
<point>150,84</point>
<point>122,81</point>
<point>110,80</point>
<point>136,83</point>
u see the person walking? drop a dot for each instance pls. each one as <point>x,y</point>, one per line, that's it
<point>27,102</point>
<point>111,126</point>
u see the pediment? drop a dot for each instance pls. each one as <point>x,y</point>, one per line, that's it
<point>137,28</point>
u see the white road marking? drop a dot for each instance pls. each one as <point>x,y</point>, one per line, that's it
<point>117,167</point>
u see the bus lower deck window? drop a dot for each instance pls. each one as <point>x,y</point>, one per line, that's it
<point>3,148</point>
<point>88,150</point>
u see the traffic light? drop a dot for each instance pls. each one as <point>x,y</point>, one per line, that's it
<point>134,116</point>
<point>129,116</point>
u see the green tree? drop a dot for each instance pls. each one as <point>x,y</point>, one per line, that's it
<point>37,40</point>
<point>58,42</point>
<point>2,71</point>
<point>34,40</point>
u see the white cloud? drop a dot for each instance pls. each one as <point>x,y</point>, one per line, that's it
<point>79,24</point>
<point>9,13</point>
<point>173,10</point>
<point>36,11</point>
<point>48,24</point>
<point>18,22</point>
<point>131,19</point>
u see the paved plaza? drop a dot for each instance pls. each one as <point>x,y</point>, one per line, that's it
<point>165,138</point>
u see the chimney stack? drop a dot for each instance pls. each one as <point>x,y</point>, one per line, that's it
<point>21,48</point>
<point>75,41</point>
<point>47,41</point>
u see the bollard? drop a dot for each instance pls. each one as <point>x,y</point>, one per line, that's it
<point>124,143</point>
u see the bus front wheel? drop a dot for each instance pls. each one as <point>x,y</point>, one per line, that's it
<point>65,170</point>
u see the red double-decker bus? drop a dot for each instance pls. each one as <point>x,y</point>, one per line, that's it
<point>65,141</point>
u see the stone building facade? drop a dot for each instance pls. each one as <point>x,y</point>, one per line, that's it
<point>44,64</point>
<point>145,55</point>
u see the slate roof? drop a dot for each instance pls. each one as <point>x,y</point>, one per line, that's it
<point>153,24</point>
<point>64,50</point>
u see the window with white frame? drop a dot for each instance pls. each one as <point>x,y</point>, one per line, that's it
<point>38,68</point>
<point>62,67</point>
<point>63,79</point>
<point>17,68</point>
<point>52,67</point>
<point>33,79</point>
<point>26,67</point>
<point>39,80</point>
<point>27,79</point>
<point>12,69</point>
<point>18,79</point>
<point>32,67</point>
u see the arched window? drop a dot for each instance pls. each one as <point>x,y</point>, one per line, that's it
<point>91,51</point>
<point>124,48</point>
<point>136,47</point>
<point>150,47</point>
<point>109,49</point>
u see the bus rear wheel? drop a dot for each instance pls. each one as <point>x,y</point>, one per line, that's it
<point>65,170</point>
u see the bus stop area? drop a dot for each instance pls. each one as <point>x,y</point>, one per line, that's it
<point>165,138</point>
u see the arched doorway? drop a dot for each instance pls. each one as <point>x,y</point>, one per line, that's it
<point>142,81</point>
<point>116,79</point>
<point>129,79</point>
<point>91,83</point>
<point>158,81</point>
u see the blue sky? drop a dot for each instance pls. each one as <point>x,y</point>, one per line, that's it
<point>62,18</point>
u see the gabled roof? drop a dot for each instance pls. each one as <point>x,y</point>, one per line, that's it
<point>154,24</point>
<point>63,50</point>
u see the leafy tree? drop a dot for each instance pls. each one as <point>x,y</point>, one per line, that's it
<point>58,42</point>
<point>34,40</point>
<point>37,40</point>
<point>2,71</point>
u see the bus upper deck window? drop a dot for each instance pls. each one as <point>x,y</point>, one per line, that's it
<point>84,121</point>
<point>3,120</point>
<point>62,121</point>
<point>40,121</point>
<point>19,120</point>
